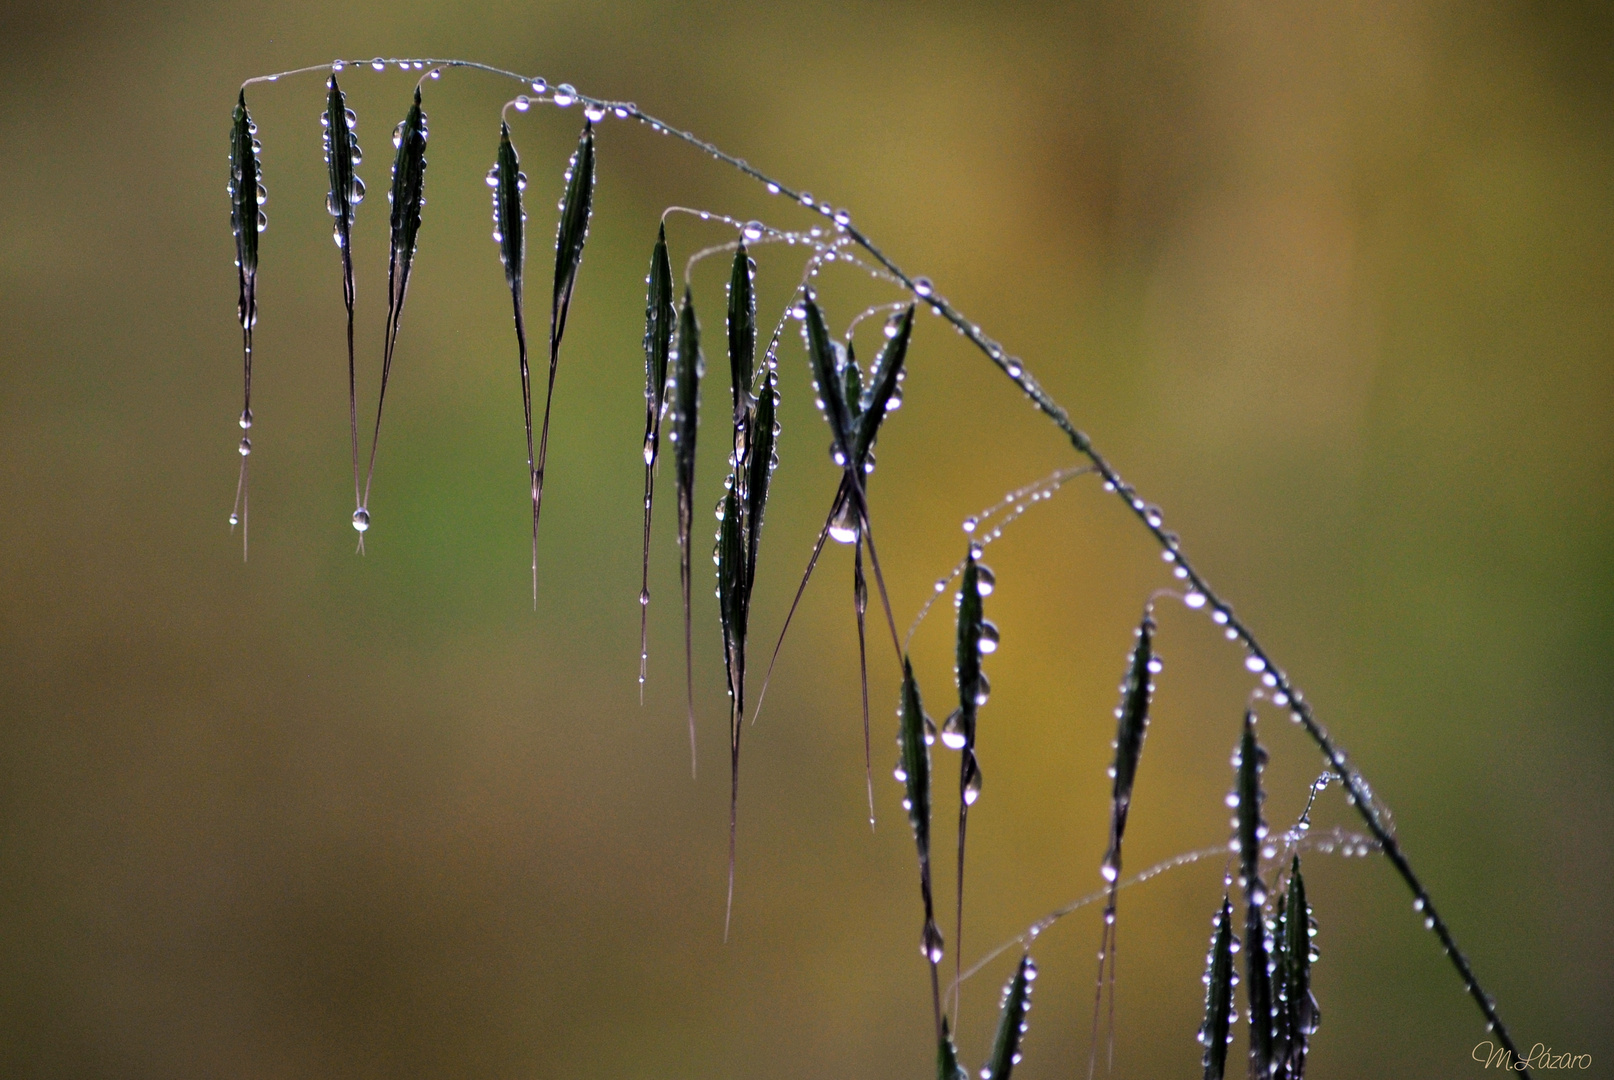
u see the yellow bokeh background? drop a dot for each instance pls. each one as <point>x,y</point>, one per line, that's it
<point>1330,283</point>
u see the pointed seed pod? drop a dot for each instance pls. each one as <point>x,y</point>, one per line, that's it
<point>687,369</point>
<point>883,380</point>
<point>742,327</point>
<point>1132,723</point>
<point>658,335</point>
<point>1216,1032</point>
<point>408,196</point>
<point>1011,1022</point>
<point>1257,956</point>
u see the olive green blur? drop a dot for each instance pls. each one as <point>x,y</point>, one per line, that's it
<point>1333,284</point>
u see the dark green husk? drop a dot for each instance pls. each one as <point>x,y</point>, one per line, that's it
<point>871,411</point>
<point>960,725</point>
<point>245,222</point>
<point>408,195</point>
<point>1257,960</point>
<point>658,334</point>
<point>687,370</point>
<point>913,739</point>
<point>827,380</point>
<point>341,157</point>
<point>571,234</point>
<point>1214,1033</point>
<point>739,538</point>
<point>1132,723</point>
<point>1296,1014</point>
<point>510,232</point>
<point>742,327</point>
<point>1011,1022</point>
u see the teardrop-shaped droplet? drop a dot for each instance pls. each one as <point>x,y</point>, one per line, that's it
<point>361,519</point>
<point>843,529</point>
<point>952,732</point>
<point>988,641</point>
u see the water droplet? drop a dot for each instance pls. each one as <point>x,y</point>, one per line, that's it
<point>246,419</point>
<point>843,218</point>
<point>595,113</point>
<point>922,286</point>
<point>752,230</point>
<point>361,519</point>
<point>522,103</point>
<point>983,690</point>
<point>379,64</point>
<point>988,641</point>
<point>356,192</point>
<point>246,447</point>
<point>843,529</point>
<point>952,732</point>
<point>806,198</point>
<point>985,580</point>
<point>644,597</point>
<point>493,177</point>
<point>337,65</point>
<point>1194,599</point>
<point>972,788</point>
<point>235,519</point>
<point>970,523</point>
<point>565,94</point>
<point>1255,663</point>
<point>540,86</point>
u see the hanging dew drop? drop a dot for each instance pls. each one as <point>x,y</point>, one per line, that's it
<point>595,113</point>
<point>752,231</point>
<point>246,447</point>
<point>522,103</point>
<point>246,419</point>
<point>923,287</point>
<point>988,642</point>
<point>361,520</point>
<point>843,529</point>
<point>985,581</point>
<point>565,94</point>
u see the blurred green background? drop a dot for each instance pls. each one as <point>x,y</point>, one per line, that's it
<point>1332,283</point>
